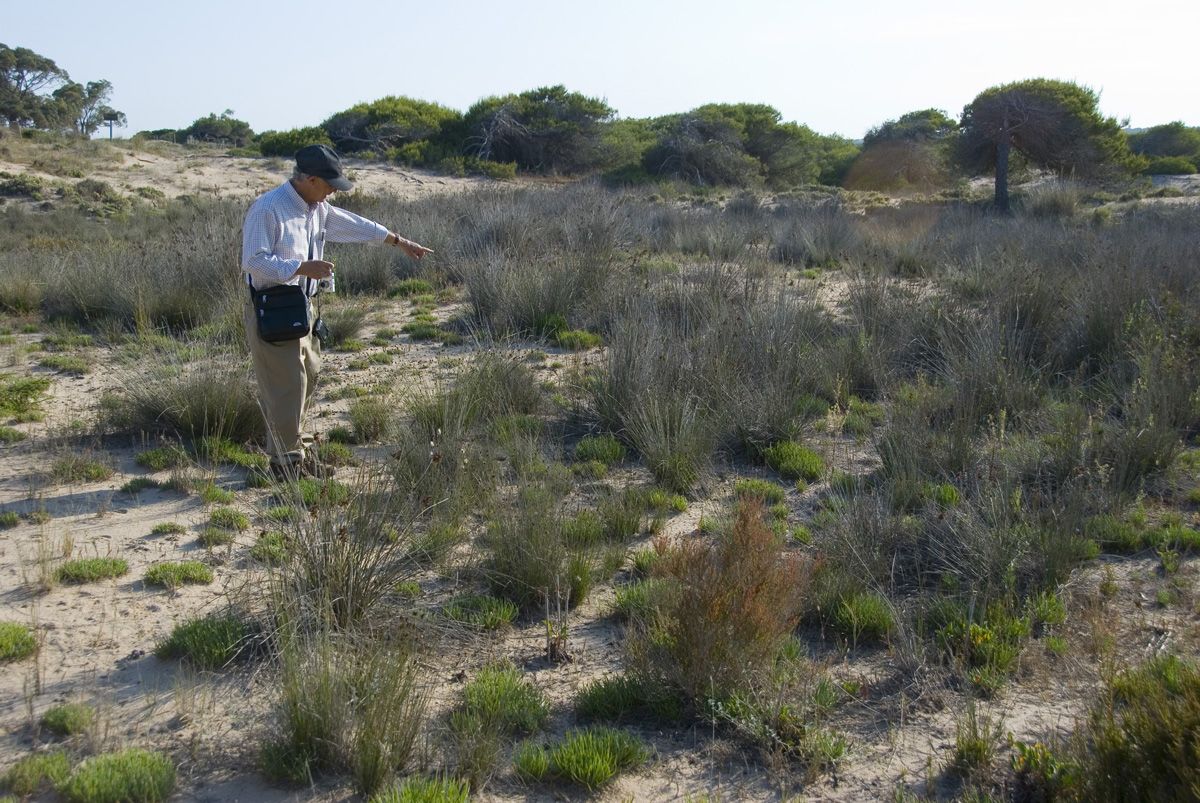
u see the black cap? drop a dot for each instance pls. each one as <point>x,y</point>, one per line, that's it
<point>320,160</point>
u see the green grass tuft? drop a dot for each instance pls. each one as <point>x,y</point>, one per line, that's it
<point>173,575</point>
<point>228,518</point>
<point>16,642</point>
<point>68,719</point>
<point>482,611</point>
<point>77,468</point>
<point>162,458</point>
<point>794,461</point>
<point>89,570</point>
<point>769,492</point>
<point>210,642</point>
<point>129,775</point>
<point>36,772</point>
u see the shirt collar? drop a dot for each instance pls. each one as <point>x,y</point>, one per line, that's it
<point>295,200</point>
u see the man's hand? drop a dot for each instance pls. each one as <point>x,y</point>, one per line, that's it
<point>414,250</point>
<point>315,269</point>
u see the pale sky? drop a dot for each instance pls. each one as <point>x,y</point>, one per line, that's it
<point>838,67</point>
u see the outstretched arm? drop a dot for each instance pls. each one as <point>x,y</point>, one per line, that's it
<point>414,250</point>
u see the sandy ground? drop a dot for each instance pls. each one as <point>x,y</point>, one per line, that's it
<point>97,640</point>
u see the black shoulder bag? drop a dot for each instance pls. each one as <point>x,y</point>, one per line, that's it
<point>282,312</point>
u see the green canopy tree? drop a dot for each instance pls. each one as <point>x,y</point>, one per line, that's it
<point>1170,148</point>
<point>390,122</point>
<point>1053,124</point>
<point>548,129</point>
<point>224,128</point>
<point>926,125</point>
<point>911,151</point>
<point>24,77</point>
<point>744,144</point>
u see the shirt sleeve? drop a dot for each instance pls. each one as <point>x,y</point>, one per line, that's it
<point>346,227</point>
<point>260,235</point>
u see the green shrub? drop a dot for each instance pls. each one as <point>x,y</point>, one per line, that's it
<point>770,493</point>
<point>1142,734</point>
<point>286,143</point>
<point>482,611</point>
<point>68,719</point>
<point>16,641</point>
<point>89,570</point>
<point>9,519</point>
<point>335,454</point>
<point>1170,166</point>
<point>314,493</point>
<point>604,448</point>
<point>640,600</point>
<point>168,528</point>
<point>794,461</point>
<point>38,772</point>
<point>210,642</point>
<point>22,397</point>
<point>174,575</point>
<point>10,435</point>
<point>130,775</point>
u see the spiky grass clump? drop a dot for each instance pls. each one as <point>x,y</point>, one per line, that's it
<point>16,641</point>
<point>173,575</point>
<point>622,698</point>
<point>498,704</point>
<point>348,705</point>
<point>426,790</point>
<point>228,518</point>
<point>90,570</point>
<point>68,719</point>
<point>590,758</point>
<point>210,642</point>
<point>130,775</point>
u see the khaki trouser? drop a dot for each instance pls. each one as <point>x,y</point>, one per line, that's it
<point>287,376</point>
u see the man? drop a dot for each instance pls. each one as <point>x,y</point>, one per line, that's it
<point>283,242</point>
